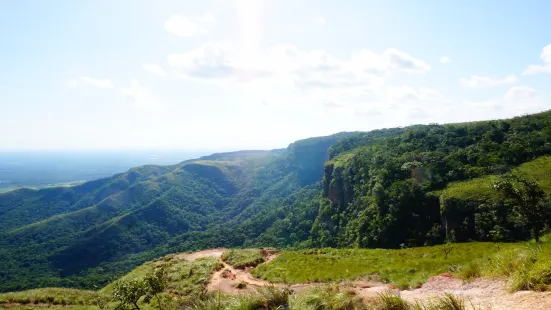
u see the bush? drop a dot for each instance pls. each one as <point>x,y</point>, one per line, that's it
<point>129,292</point>
<point>470,271</point>
<point>327,298</point>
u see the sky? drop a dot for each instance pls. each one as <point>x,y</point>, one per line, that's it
<point>251,74</point>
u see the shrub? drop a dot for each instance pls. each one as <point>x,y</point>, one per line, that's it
<point>470,271</point>
<point>327,298</point>
<point>448,302</point>
<point>390,301</point>
<point>129,292</point>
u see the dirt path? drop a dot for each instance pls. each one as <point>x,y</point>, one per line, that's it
<point>483,293</point>
<point>227,279</point>
<point>206,253</point>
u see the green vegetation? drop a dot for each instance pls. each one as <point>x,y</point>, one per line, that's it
<point>184,278</point>
<point>54,296</point>
<point>174,283</point>
<point>381,189</point>
<point>85,236</point>
<point>389,301</point>
<point>529,203</point>
<point>527,264</point>
<point>270,298</point>
<point>243,258</point>
<point>406,268</point>
<point>149,286</point>
<point>391,188</point>
<point>329,297</point>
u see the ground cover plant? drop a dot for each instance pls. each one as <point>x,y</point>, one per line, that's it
<point>241,258</point>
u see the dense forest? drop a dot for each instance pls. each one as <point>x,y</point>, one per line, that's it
<point>392,188</point>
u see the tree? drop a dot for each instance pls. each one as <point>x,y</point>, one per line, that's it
<point>129,292</point>
<point>155,284</point>
<point>529,203</point>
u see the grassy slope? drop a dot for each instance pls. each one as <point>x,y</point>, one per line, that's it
<point>186,280</point>
<point>407,267</point>
<point>538,169</point>
<point>527,266</point>
<point>412,267</point>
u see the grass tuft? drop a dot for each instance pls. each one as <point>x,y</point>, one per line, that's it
<point>243,258</point>
<point>390,301</point>
<point>327,298</point>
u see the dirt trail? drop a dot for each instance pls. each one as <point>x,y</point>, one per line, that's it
<point>206,253</point>
<point>227,278</point>
<point>483,293</point>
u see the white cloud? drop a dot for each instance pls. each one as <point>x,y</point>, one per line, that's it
<point>321,20</point>
<point>155,69</point>
<point>209,61</point>
<point>332,104</point>
<point>520,93</point>
<point>408,93</point>
<point>546,67</point>
<point>183,26</point>
<point>444,60</point>
<point>476,81</point>
<point>308,69</point>
<point>516,101</point>
<point>136,93</point>
<point>311,79</point>
<point>88,81</point>
<point>405,62</point>
<point>389,60</point>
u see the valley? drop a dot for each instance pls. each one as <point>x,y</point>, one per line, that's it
<point>399,206</point>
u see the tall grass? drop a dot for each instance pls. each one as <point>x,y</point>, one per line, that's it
<point>266,298</point>
<point>527,266</point>
<point>243,258</point>
<point>447,301</point>
<point>327,298</point>
<point>406,268</point>
<point>53,296</point>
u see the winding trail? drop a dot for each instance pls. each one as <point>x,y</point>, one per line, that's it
<point>483,293</point>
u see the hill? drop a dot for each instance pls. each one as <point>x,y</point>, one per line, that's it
<point>471,274</point>
<point>84,235</point>
<point>388,188</point>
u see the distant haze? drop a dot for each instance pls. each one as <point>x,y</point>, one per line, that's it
<point>41,169</point>
<point>254,74</point>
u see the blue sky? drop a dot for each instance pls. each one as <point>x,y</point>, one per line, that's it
<point>261,74</point>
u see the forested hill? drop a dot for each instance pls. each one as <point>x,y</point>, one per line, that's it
<point>84,235</point>
<point>385,188</point>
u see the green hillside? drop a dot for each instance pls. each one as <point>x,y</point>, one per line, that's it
<point>523,263</point>
<point>385,190</point>
<point>388,188</point>
<point>85,235</point>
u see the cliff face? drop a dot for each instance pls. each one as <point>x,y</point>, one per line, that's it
<point>391,188</point>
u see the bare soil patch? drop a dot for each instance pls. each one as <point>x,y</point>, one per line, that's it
<point>483,293</point>
<point>200,254</point>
